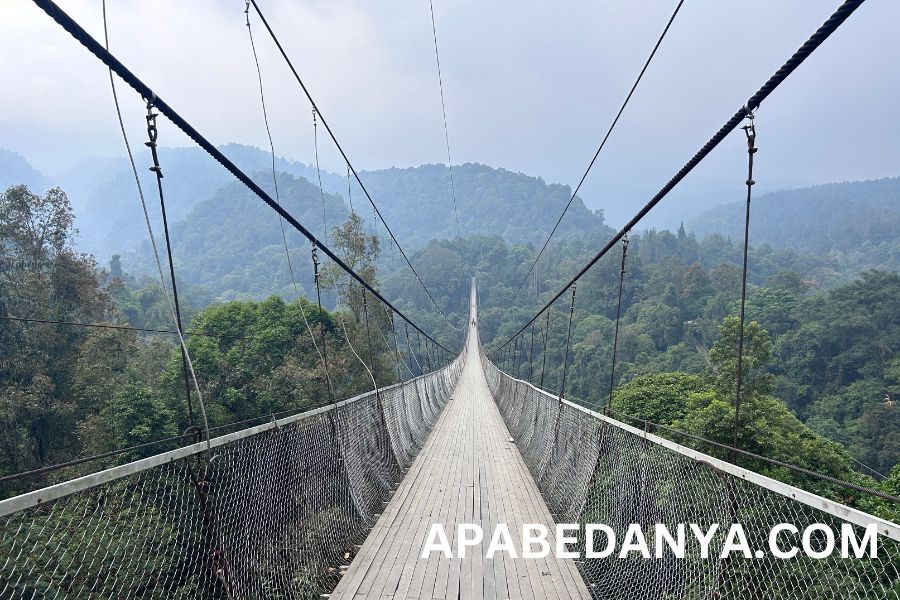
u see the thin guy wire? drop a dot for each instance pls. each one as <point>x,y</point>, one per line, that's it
<point>831,25</point>
<point>94,47</point>
<point>287,253</point>
<point>162,278</point>
<point>437,60</point>
<point>347,161</point>
<point>602,144</point>
<point>319,175</point>
<point>615,348</point>
<point>121,327</point>
<point>353,350</point>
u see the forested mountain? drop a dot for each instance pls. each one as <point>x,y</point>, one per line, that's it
<point>824,319</point>
<point>68,390</point>
<point>230,245</point>
<point>415,201</point>
<point>827,362</point>
<point>103,193</point>
<point>855,223</point>
<point>15,170</point>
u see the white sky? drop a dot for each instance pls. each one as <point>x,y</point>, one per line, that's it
<point>530,86</point>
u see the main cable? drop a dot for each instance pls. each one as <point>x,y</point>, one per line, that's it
<point>602,144</point>
<point>97,49</point>
<point>831,25</point>
<point>346,160</point>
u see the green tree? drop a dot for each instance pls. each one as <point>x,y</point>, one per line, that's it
<point>661,398</point>
<point>359,251</point>
<point>756,380</point>
<point>41,276</point>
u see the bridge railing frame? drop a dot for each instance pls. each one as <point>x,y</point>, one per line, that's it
<point>592,468</point>
<point>277,507</point>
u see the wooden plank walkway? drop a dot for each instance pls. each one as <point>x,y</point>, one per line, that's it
<point>467,472</point>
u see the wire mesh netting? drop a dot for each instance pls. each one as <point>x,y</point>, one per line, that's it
<point>274,511</point>
<point>593,470</point>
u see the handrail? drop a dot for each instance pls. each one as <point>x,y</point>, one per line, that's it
<point>67,488</point>
<point>841,511</point>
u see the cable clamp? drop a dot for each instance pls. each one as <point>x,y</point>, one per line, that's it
<point>750,132</point>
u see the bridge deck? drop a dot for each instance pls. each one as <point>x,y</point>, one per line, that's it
<point>467,472</point>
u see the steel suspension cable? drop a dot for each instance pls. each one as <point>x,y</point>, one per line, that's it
<point>530,357</point>
<point>152,133</point>
<point>602,144</point>
<point>345,157</point>
<point>544,353</point>
<point>173,309</point>
<point>437,60</point>
<point>615,348</point>
<point>409,350</point>
<point>287,252</point>
<point>562,388</point>
<point>750,131</point>
<point>349,191</point>
<point>809,46</point>
<point>95,48</point>
<point>368,330</point>
<point>315,261</point>
<point>319,175</point>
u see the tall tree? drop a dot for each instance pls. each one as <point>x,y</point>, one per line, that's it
<point>360,251</point>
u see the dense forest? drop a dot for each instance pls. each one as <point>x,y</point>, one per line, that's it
<point>69,391</point>
<point>854,224</point>
<point>413,200</point>
<point>824,370</point>
<point>823,339</point>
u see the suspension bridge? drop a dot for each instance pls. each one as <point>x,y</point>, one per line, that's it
<point>339,501</point>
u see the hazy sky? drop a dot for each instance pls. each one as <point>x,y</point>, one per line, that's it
<point>530,86</point>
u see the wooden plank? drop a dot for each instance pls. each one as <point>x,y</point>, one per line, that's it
<point>466,472</point>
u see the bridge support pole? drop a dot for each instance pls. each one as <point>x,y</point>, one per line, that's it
<point>612,372</point>
<point>544,355</point>
<point>530,356</point>
<point>562,389</point>
<point>397,349</point>
<point>750,130</point>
